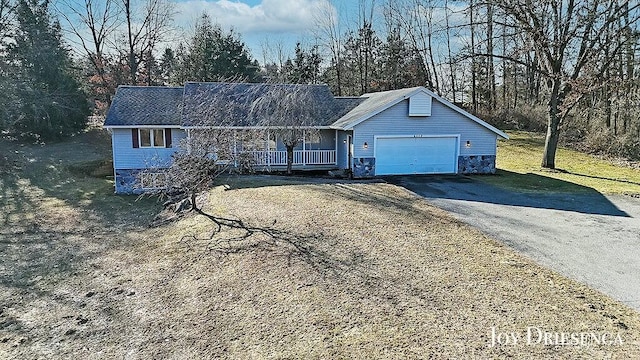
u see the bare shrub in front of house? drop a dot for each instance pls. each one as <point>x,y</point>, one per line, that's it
<point>208,151</point>
<point>214,145</point>
<point>290,112</point>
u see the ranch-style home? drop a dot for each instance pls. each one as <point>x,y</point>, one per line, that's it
<point>398,132</point>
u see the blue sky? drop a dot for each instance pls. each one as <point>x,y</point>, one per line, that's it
<point>265,22</point>
<point>271,28</point>
<point>275,23</point>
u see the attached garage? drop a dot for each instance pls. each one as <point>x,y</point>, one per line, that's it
<point>418,154</point>
<point>415,131</point>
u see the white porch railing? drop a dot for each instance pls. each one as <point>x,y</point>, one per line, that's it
<point>300,157</point>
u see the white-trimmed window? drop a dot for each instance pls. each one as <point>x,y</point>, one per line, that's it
<point>152,138</point>
<point>153,180</point>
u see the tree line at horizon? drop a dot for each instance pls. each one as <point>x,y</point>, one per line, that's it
<point>565,67</point>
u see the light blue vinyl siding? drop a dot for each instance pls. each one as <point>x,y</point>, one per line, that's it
<point>327,142</point>
<point>420,105</point>
<point>125,156</point>
<point>443,121</point>
<point>342,152</point>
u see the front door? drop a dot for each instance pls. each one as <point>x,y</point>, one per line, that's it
<point>349,152</point>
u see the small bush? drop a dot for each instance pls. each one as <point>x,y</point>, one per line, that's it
<point>602,141</point>
<point>524,118</point>
<point>95,168</point>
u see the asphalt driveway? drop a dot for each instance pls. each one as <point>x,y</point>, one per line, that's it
<point>592,238</point>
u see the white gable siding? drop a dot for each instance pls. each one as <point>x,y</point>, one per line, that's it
<point>443,121</point>
<point>126,157</point>
<point>420,105</point>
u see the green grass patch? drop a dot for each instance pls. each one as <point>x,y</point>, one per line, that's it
<point>519,168</point>
<point>325,270</point>
<point>55,178</point>
<point>101,168</point>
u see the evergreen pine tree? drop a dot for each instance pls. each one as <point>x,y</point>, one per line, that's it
<point>214,55</point>
<point>52,103</point>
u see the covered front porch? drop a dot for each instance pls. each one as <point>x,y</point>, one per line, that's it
<point>316,150</point>
<point>300,157</point>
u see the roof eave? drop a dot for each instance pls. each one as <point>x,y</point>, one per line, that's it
<point>141,126</point>
<point>442,100</point>
<point>324,127</point>
<point>379,109</point>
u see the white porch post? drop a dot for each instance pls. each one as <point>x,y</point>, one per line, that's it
<point>335,150</point>
<point>267,146</point>
<point>235,148</point>
<point>188,141</point>
<point>304,148</point>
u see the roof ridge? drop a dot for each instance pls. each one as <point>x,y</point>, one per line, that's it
<point>243,83</point>
<point>151,87</point>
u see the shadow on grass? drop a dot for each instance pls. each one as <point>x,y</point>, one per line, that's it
<point>513,189</point>
<point>236,182</point>
<point>234,236</point>
<point>345,188</point>
<point>51,172</point>
<point>598,177</point>
<point>53,220</point>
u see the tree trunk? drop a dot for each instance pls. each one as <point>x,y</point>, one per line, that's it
<point>338,75</point>
<point>133,65</point>
<point>551,143</point>
<point>194,206</point>
<point>474,97</point>
<point>289,158</point>
<point>449,54</point>
<point>505,105</point>
<point>491,74</point>
<point>553,128</point>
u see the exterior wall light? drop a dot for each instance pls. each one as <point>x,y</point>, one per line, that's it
<point>468,144</point>
<point>344,141</point>
<point>365,145</point>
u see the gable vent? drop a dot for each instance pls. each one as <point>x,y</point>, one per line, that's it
<point>420,105</point>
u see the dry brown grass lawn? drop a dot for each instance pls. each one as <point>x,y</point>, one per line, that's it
<point>354,270</point>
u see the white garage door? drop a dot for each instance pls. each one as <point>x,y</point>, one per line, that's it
<point>416,155</point>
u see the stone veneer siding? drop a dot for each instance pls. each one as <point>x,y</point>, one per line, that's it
<point>126,182</point>
<point>364,167</point>
<point>477,164</point>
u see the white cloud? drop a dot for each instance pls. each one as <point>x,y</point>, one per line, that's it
<point>269,16</point>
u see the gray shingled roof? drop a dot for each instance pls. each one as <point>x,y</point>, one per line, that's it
<point>224,104</point>
<point>375,102</point>
<point>145,105</point>
<point>238,104</point>
<point>369,104</point>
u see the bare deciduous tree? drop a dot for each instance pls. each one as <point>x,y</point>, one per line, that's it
<point>146,26</point>
<point>573,42</point>
<point>209,149</point>
<point>330,34</point>
<point>6,19</point>
<point>93,23</point>
<point>288,111</point>
<point>416,19</point>
<point>223,120</point>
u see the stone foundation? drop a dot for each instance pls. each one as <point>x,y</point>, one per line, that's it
<point>364,167</point>
<point>126,182</point>
<point>477,164</point>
